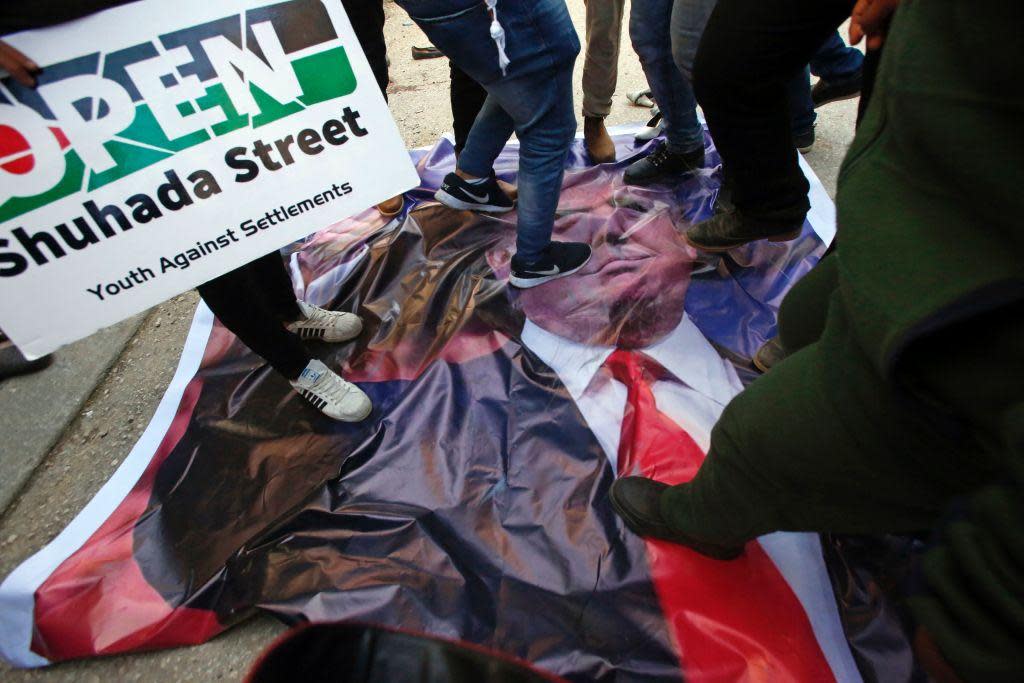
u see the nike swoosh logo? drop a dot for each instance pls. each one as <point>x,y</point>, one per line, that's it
<point>552,271</point>
<point>477,197</point>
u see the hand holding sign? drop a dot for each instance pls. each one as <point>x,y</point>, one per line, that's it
<point>203,98</point>
<point>18,65</point>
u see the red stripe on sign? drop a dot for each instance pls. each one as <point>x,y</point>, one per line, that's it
<point>62,139</point>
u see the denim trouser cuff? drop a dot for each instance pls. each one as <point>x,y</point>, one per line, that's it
<point>686,143</point>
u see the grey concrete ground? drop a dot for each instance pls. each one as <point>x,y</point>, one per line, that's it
<point>36,409</point>
<point>67,429</point>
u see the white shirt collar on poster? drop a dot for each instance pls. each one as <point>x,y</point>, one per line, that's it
<point>705,382</point>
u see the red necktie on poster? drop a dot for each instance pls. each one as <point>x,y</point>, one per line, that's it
<point>732,621</point>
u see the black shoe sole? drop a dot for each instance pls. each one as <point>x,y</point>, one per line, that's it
<point>456,203</point>
<point>780,237</point>
<point>670,179</point>
<point>528,283</point>
<point>715,552</point>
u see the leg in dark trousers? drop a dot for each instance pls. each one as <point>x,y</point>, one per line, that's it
<point>271,275</point>
<point>254,302</point>
<point>467,99</point>
<point>367,17</point>
<point>749,52</point>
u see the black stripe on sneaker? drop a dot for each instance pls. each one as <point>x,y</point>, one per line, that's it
<point>314,400</point>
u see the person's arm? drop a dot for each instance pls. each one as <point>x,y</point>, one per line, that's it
<point>20,67</point>
<point>23,16</point>
<point>970,611</point>
<point>870,19</point>
<point>970,601</point>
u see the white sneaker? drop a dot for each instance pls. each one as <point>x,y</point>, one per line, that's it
<point>331,394</point>
<point>330,326</point>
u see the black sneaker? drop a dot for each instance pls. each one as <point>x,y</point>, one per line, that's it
<point>560,259</point>
<point>769,355</point>
<point>661,165</point>
<point>728,230</point>
<point>837,89</point>
<point>13,363</point>
<point>486,196</point>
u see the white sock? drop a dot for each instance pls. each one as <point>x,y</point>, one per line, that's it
<point>478,181</point>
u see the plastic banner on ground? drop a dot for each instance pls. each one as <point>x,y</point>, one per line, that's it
<point>170,142</point>
<point>473,503</point>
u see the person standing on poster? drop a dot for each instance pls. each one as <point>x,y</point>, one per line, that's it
<point>748,53</point>
<point>522,53</point>
<point>255,301</point>
<point>899,409</point>
<point>367,19</point>
<point>600,74</point>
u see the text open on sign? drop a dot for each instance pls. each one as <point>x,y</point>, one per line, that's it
<point>192,138</point>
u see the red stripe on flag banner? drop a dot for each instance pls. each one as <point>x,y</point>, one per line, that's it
<point>732,621</point>
<point>97,602</point>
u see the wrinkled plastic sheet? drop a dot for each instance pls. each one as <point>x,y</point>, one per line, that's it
<point>472,504</point>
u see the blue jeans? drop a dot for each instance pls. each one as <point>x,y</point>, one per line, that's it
<point>533,98</point>
<point>836,59</point>
<point>833,60</point>
<point>689,17</point>
<point>655,26</point>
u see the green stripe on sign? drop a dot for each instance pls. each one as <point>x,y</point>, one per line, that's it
<point>325,76</point>
<point>145,129</point>
<point>69,184</point>
<point>270,109</point>
<point>322,76</point>
<point>130,158</point>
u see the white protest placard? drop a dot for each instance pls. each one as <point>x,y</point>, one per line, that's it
<point>170,142</point>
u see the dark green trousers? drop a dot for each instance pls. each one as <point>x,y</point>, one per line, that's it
<point>823,442</point>
<point>904,390</point>
<point>864,428</point>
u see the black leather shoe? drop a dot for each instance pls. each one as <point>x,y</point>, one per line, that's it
<point>837,89</point>
<point>769,355</point>
<point>728,230</point>
<point>635,499</point>
<point>663,166</point>
<point>12,363</point>
<point>429,52</point>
